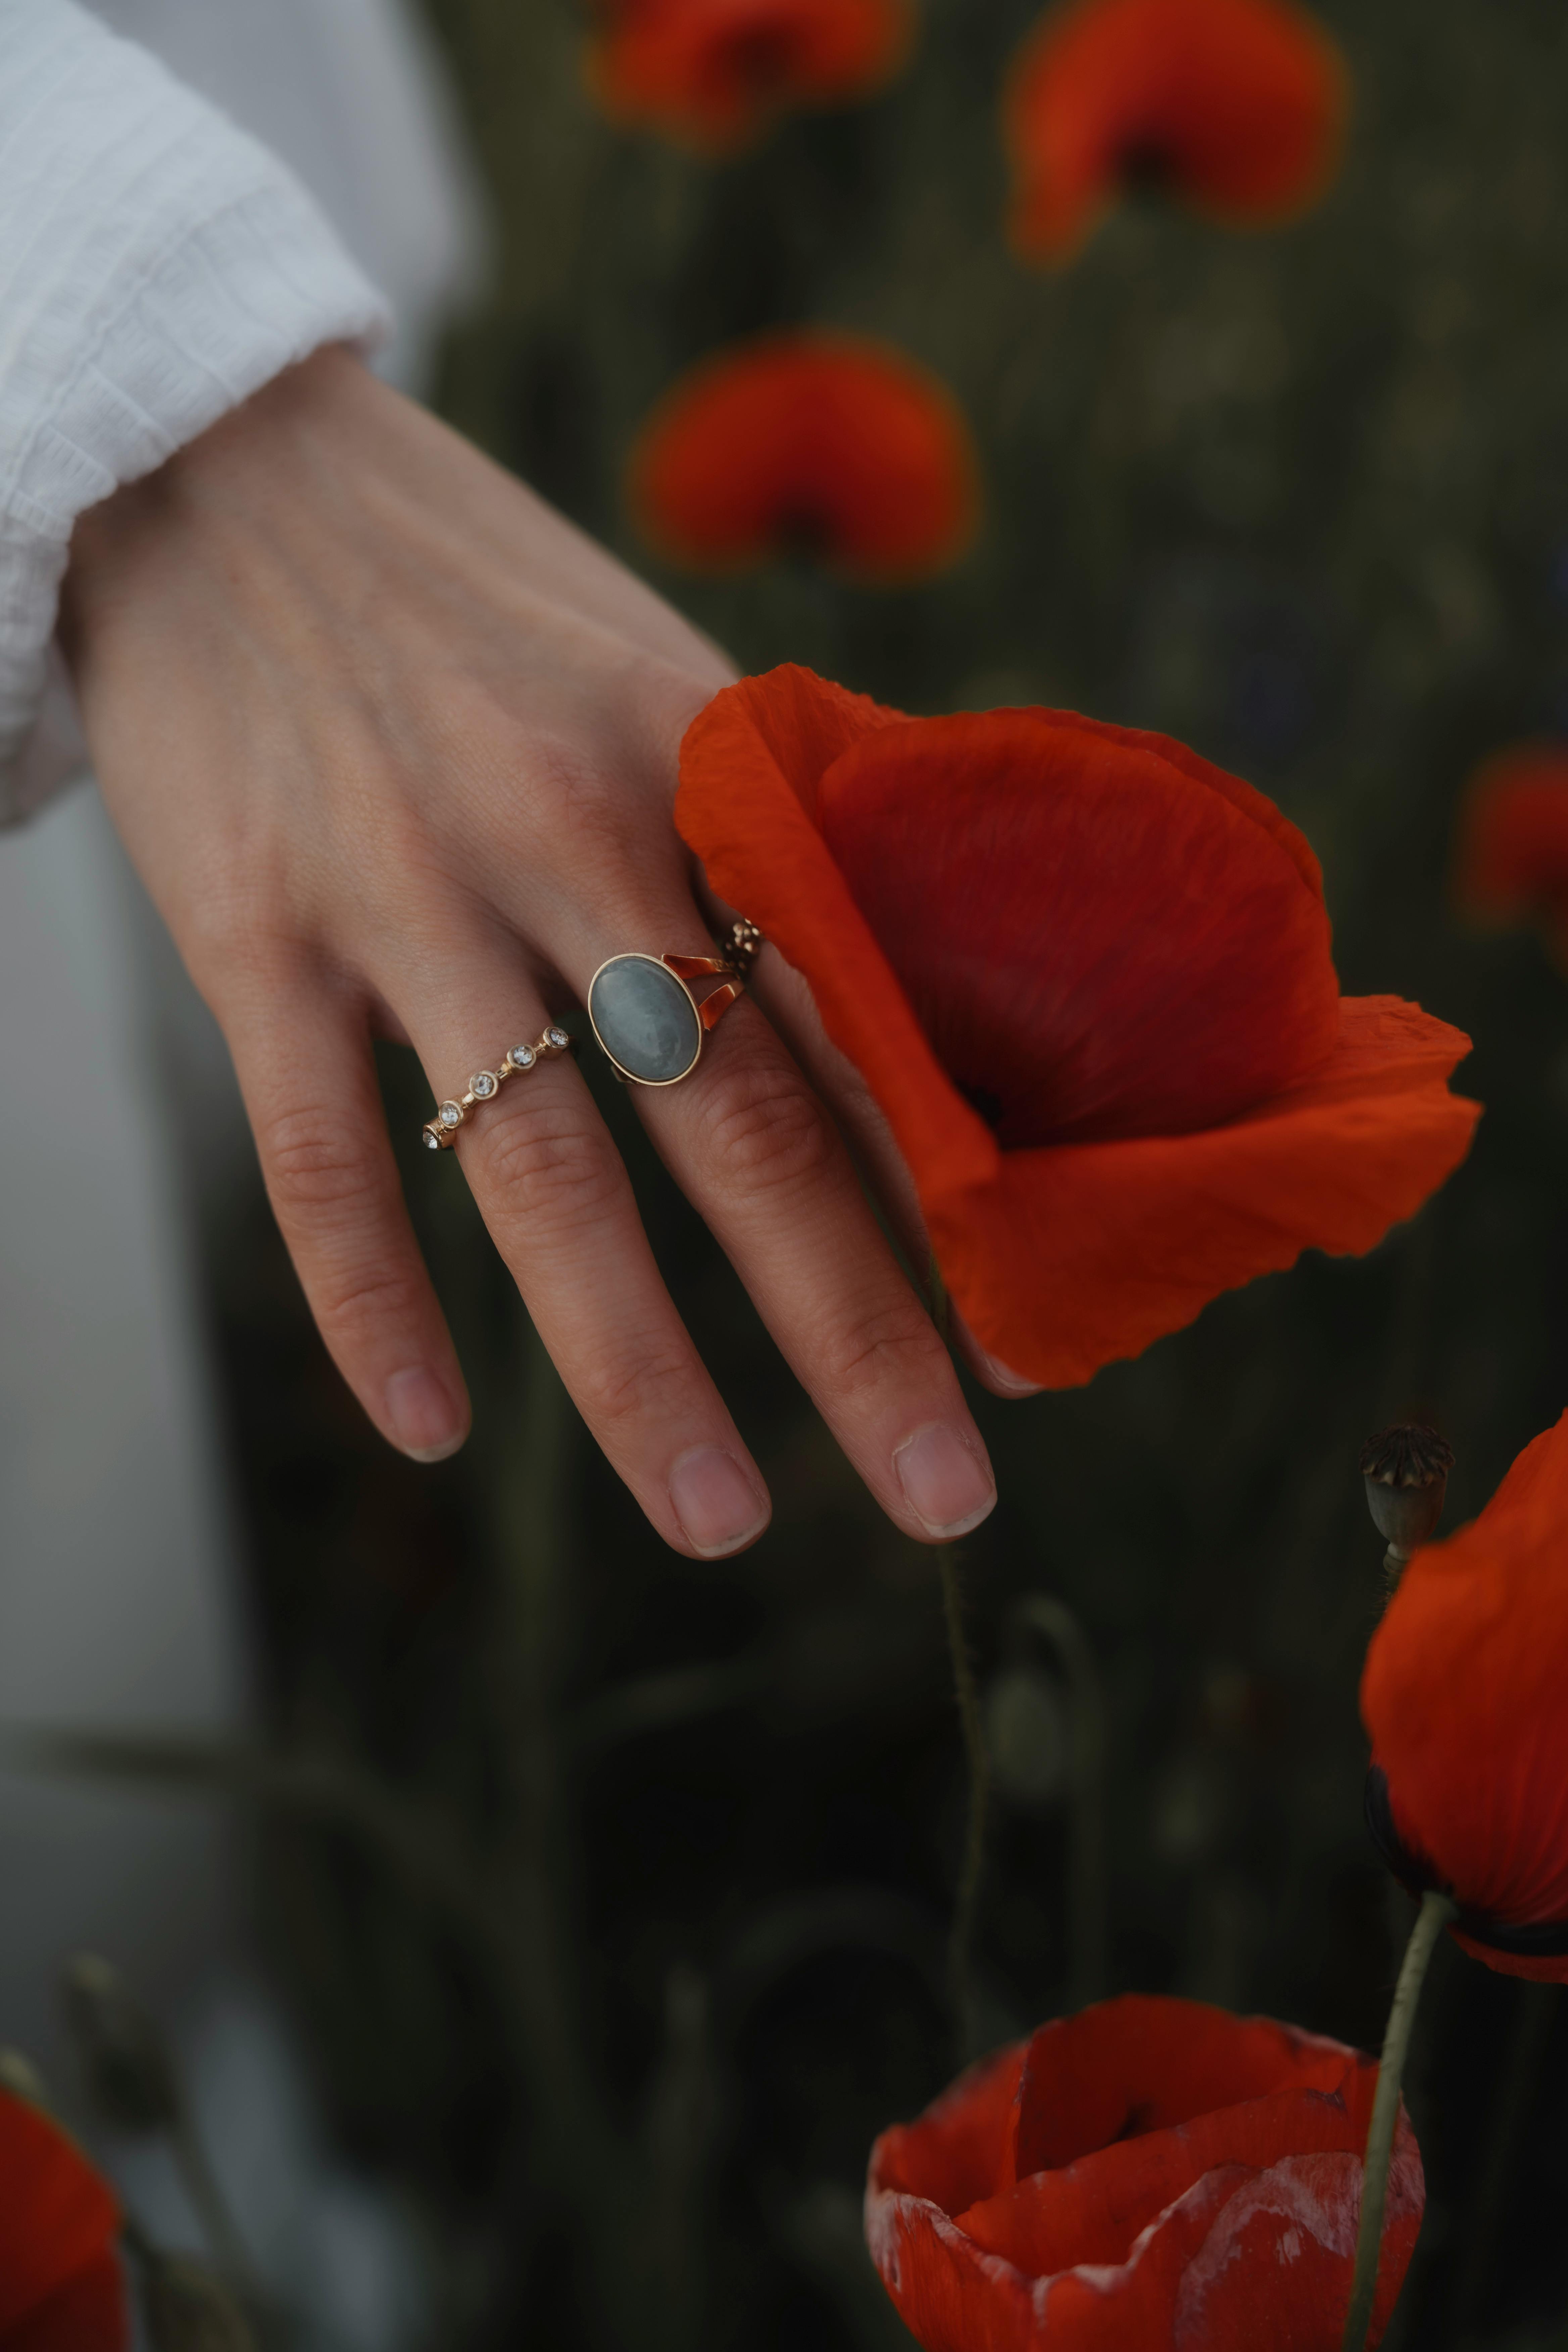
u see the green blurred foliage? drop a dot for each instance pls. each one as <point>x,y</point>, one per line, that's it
<point>1301,500</point>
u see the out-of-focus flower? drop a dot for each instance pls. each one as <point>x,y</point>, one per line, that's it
<point>713,73</point>
<point>1148,2173</point>
<point>1086,978</point>
<point>1512,860</point>
<point>831,443</point>
<point>1462,1698</point>
<point>1238,105</point>
<point>61,2289</point>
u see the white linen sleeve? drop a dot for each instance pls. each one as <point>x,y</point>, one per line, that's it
<point>157,266</point>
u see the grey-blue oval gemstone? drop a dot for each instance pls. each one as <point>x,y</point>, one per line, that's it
<point>643,1019</point>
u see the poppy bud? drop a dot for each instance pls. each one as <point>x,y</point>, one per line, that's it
<point>129,2072</point>
<point>1407,1472</point>
<point>187,2311</point>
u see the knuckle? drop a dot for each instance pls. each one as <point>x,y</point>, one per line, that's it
<point>314,1164</point>
<point>551,1167</point>
<point>621,1386</point>
<point>766,1133</point>
<point>881,1348</point>
<point>356,1301</point>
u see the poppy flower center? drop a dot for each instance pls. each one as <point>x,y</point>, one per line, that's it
<point>1098,942</point>
<point>761,60</point>
<point>1146,165</point>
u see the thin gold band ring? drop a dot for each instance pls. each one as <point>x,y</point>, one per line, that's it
<point>441,1132</point>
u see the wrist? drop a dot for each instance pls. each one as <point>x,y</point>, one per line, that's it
<point>236,465</point>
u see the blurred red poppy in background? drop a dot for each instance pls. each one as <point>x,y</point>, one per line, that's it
<point>1512,857</point>
<point>61,2289</point>
<point>1086,978</point>
<point>1462,1698</point>
<point>831,444</point>
<point>715,73</point>
<point>1149,2173</point>
<point>1238,105</point>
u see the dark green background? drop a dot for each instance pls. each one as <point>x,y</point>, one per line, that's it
<point>1300,499</point>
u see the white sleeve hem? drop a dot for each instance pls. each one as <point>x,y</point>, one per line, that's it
<point>156,268</point>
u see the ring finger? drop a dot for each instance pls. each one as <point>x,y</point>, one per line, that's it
<point>553,1191</point>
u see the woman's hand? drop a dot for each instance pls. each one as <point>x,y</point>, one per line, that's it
<point>393,748</point>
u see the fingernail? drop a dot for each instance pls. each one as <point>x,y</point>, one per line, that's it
<point>1010,1382</point>
<point>717,1505</point>
<point>424,1424</point>
<point>946,1485</point>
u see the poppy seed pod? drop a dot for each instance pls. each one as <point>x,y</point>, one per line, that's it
<point>1085,978</point>
<point>60,2282</point>
<point>1462,1699</point>
<point>1406,1471</point>
<point>1153,2173</point>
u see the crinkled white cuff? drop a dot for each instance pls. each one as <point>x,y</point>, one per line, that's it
<point>156,266</point>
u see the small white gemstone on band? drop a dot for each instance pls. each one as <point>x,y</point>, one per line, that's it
<point>432,1140</point>
<point>483,1083</point>
<point>451,1114</point>
<point>556,1037</point>
<point>522,1057</point>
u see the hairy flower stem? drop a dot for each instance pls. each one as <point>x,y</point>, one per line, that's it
<point>961,1941</point>
<point>1434,1916</point>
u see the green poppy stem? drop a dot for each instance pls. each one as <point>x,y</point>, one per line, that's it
<point>1434,1916</point>
<point>977,1757</point>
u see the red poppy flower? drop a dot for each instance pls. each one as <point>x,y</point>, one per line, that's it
<point>831,442</point>
<point>1086,976</point>
<point>1513,842</point>
<point>1148,2173</point>
<point>714,73</point>
<point>1462,1698</point>
<point>1238,104</point>
<point>60,2283</point>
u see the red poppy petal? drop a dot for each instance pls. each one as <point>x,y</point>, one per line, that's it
<point>751,766</point>
<point>1064,1257</point>
<point>1219,2229</point>
<point>1513,842</point>
<point>1075,1257</point>
<point>1105,1003</point>
<point>1146,2063</point>
<point>87,2314</point>
<point>1245,2258</point>
<point>835,441</point>
<point>714,71</point>
<point>58,2222</point>
<point>1240,102</point>
<point>956,2152</point>
<point>1462,1698</point>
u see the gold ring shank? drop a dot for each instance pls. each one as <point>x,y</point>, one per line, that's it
<point>440,1133</point>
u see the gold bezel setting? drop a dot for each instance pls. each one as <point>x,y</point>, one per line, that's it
<point>440,1133</point>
